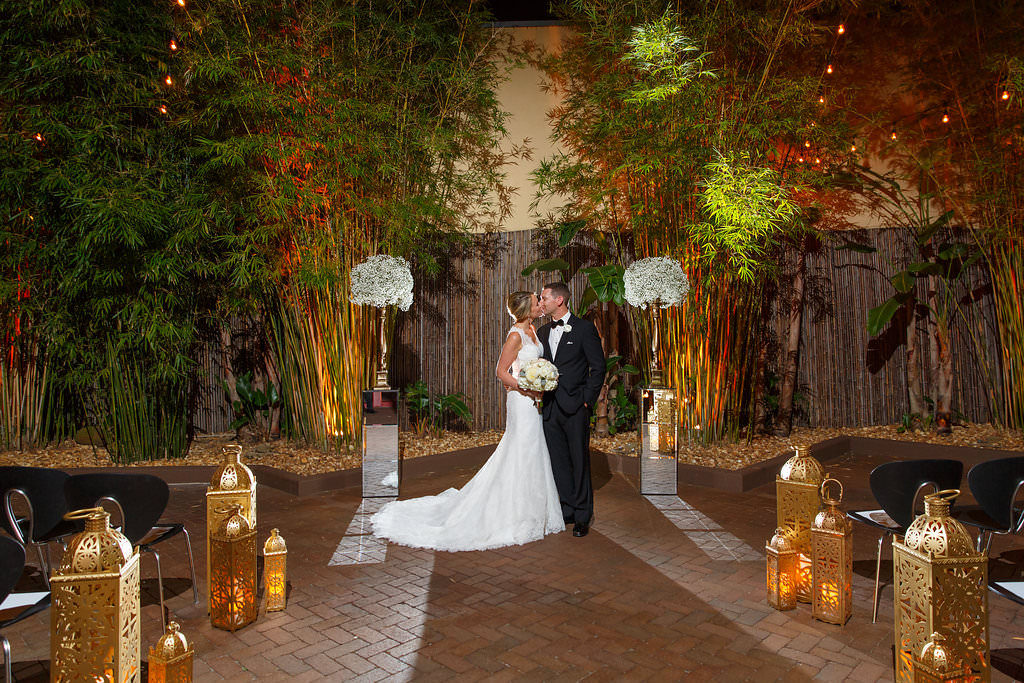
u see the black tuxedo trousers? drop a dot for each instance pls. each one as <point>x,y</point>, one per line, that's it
<point>581,368</point>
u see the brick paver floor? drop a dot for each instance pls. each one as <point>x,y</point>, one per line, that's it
<point>664,588</point>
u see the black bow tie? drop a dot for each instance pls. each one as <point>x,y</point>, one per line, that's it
<point>558,323</point>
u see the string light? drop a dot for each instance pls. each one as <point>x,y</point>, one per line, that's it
<point>174,45</point>
<point>800,159</point>
<point>807,143</point>
<point>38,137</point>
<point>817,160</point>
<point>841,30</point>
<point>163,109</point>
<point>828,69</point>
<point>168,80</point>
<point>893,135</point>
<point>853,148</point>
<point>821,99</point>
<point>945,118</point>
<point>181,3</point>
<point>1006,94</point>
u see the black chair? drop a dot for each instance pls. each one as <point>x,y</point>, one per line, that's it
<point>896,487</point>
<point>41,492</point>
<point>995,485</point>
<point>140,500</point>
<point>12,565</point>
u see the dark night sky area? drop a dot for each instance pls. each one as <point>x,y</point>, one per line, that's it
<point>520,10</point>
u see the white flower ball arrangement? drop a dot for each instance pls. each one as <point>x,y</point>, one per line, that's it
<point>655,280</point>
<point>382,281</point>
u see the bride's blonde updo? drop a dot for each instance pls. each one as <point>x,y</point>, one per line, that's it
<point>519,305</point>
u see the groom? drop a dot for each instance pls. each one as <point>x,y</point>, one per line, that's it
<point>574,346</point>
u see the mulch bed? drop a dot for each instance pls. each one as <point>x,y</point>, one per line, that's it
<point>302,459</point>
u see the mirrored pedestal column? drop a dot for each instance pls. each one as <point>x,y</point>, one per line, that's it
<point>382,468</point>
<point>659,432</point>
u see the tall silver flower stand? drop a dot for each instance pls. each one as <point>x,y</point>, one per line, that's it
<point>382,468</point>
<point>659,434</point>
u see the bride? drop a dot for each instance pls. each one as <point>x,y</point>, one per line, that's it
<point>512,499</point>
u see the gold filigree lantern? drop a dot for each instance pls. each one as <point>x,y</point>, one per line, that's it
<point>939,663</point>
<point>832,560</point>
<point>233,571</point>
<point>275,577</point>
<point>232,483</point>
<point>797,504</point>
<point>94,632</point>
<point>171,660</point>
<point>782,570</point>
<point>940,584</point>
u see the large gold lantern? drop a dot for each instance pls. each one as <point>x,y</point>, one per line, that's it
<point>797,504</point>
<point>940,584</point>
<point>275,577</point>
<point>832,560</point>
<point>94,632</point>
<point>171,660</point>
<point>782,571</point>
<point>233,571</point>
<point>232,484</point>
<point>939,663</point>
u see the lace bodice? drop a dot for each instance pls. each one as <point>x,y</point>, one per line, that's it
<point>529,350</point>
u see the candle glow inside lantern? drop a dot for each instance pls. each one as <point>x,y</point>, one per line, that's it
<point>797,504</point>
<point>275,577</point>
<point>94,626</point>
<point>171,660</point>
<point>832,559</point>
<point>940,584</point>
<point>782,571</point>
<point>232,484</point>
<point>233,572</point>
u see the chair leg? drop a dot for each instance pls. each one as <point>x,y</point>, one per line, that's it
<point>988,544</point>
<point>878,574</point>
<point>160,587</point>
<point>7,660</point>
<point>191,567</point>
<point>43,565</point>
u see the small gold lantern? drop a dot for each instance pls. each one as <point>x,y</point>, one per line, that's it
<point>233,571</point>
<point>832,558</point>
<point>171,660</point>
<point>95,597</point>
<point>939,663</point>
<point>797,503</point>
<point>782,571</point>
<point>232,483</point>
<point>275,577</point>
<point>940,583</point>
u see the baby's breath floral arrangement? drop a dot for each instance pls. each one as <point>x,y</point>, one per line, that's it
<point>381,281</point>
<point>655,281</point>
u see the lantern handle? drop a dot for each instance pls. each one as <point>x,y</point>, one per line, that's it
<point>86,513</point>
<point>823,490</point>
<point>948,495</point>
<point>232,448</point>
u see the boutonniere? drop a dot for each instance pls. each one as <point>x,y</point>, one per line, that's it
<point>567,328</point>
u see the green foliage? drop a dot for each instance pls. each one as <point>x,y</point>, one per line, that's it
<point>431,414</point>
<point>623,404</point>
<point>667,59</point>
<point>253,405</point>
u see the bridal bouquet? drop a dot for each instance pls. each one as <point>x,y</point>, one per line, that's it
<point>656,280</point>
<point>538,375</point>
<point>382,281</point>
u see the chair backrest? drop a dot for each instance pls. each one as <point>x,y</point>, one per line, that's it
<point>141,497</point>
<point>995,484</point>
<point>44,489</point>
<point>895,485</point>
<point>12,564</point>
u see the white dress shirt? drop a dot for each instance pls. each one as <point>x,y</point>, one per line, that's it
<point>556,334</point>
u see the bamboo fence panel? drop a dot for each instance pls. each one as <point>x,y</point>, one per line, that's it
<point>452,335</point>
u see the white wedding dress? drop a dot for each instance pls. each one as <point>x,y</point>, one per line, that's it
<point>511,500</point>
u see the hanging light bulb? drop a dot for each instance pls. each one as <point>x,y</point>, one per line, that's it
<point>181,3</point>
<point>807,143</point>
<point>828,69</point>
<point>1006,94</point>
<point>893,136</point>
<point>38,137</point>
<point>821,99</point>
<point>841,30</point>
<point>945,118</point>
<point>168,80</point>
<point>813,124</point>
<point>174,45</point>
<point>817,160</point>
<point>163,109</point>
<point>853,148</point>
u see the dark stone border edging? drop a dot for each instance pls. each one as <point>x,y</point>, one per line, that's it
<point>730,481</point>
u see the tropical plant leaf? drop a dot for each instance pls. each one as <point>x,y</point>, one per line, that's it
<point>567,230</point>
<point>546,265</point>
<point>880,316</point>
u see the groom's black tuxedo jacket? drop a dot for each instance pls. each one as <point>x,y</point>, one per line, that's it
<point>580,363</point>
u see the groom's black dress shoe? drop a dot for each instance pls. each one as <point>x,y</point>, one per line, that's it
<point>580,530</point>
